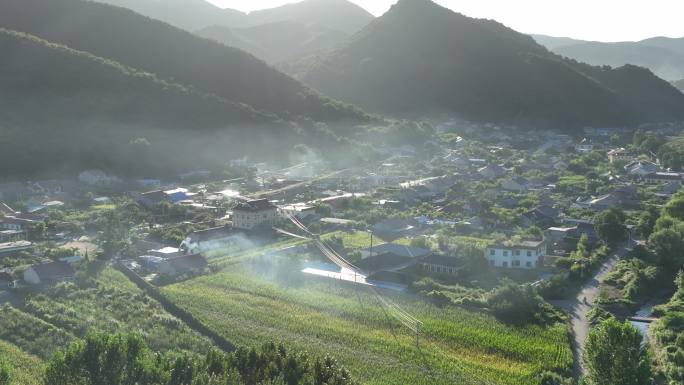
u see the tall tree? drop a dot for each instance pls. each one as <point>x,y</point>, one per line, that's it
<point>613,355</point>
<point>610,226</point>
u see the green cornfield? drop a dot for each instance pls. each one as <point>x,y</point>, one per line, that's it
<point>322,317</point>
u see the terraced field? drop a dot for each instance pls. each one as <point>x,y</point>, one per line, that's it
<point>322,317</point>
<point>114,304</point>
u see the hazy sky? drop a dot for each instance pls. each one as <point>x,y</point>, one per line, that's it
<point>604,20</point>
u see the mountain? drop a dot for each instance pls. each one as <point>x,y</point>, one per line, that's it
<point>552,42</point>
<point>171,54</point>
<point>277,41</point>
<point>340,15</point>
<point>664,56</point>
<point>192,15</point>
<point>679,84</point>
<point>187,14</point>
<point>420,58</point>
<point>60,107</point>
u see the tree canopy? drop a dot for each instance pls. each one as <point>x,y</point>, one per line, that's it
<point>613,355</point>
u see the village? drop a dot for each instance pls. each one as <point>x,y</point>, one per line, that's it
<point>530,229</point>
<point>482,206</point>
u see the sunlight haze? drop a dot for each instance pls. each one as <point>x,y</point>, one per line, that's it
<point>609,20</point>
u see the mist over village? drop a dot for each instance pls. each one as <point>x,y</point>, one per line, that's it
<point>333,192</point>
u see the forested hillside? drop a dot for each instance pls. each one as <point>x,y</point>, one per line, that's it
<point>420,58</point>
<point>170,53</point>
<point>63,109</point>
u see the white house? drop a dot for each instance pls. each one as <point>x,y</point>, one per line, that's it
<point>641,168</point>
<point>620,154</point>
<point>663,177</point>
<point>251,214</point>
<point>299,210</point>
<point>516,255</point>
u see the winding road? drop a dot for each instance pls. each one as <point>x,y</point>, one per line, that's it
<point>578,308</point>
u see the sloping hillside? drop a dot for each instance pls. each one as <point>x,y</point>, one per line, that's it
<point>679,84</point>
<point>278,41</point>
<point>664,56</point>
<point>187,14</point>
<point>170,53</point>
<point>420,58</point>
<point>340,15</point>
<point>63,109</point>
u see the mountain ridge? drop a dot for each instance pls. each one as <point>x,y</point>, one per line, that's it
<point>276,42</point>
<point>193,15</point>
<point>171,53</point>
<point>664,56</point>
<point>420,57</point>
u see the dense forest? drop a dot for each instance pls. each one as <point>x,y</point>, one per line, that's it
<point>420,57</point>
<point>71,109</point>
<point>171,53</point>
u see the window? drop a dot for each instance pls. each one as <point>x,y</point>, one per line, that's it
<point>529,253</point>
<point>517,252</point>
<point>516,263</point>
<point>505,253</point>
<point>528,264</point>
<point>492,252</point>
<point>505,264</point>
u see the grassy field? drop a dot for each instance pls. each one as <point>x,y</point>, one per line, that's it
<point>361,239</point>
<point>114,304</point>
<point>322,317</point>
<point>31,334</point>
<point>26,369</point>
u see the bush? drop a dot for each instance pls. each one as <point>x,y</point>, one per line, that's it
<point>517,304</point>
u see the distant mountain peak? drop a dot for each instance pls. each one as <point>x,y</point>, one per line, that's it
<point>420,58</point>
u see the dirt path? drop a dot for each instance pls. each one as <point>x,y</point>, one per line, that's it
<point>578,308</point>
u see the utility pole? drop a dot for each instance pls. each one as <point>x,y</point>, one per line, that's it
<point>371,242</point>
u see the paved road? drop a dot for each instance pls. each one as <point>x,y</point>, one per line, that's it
<point>579,307</point>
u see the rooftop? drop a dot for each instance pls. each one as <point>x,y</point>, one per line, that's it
<point>255,205</point>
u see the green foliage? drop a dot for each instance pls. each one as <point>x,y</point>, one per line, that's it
<point>668,333</point>
<point>520,304</point>
<point>550,378</point>
<point>635,278</point>
<point>646,141</point>
<point>647,221</point>
<point>610,226</point>
<point>122,359</point>
<point>613,355</point>
<point>109,304</point>
<point>672,153</point>
<point>22,368</point>
<point>5,373</point>
<point>31,334</point>
<point>325,318</point>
